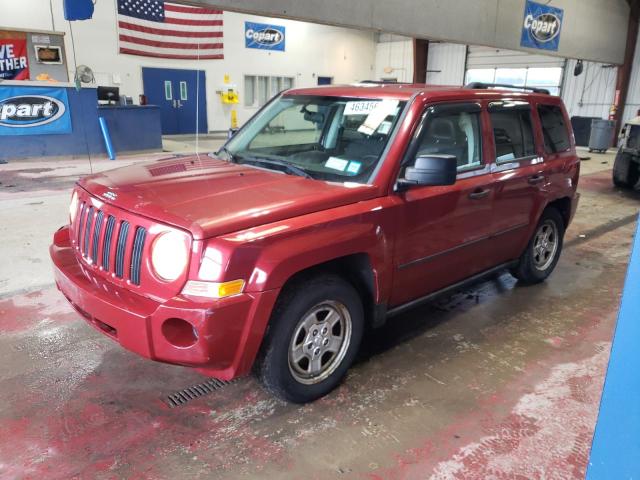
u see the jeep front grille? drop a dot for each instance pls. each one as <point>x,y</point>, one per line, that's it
<point>105,237</point>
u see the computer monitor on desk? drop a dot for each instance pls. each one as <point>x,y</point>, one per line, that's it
<point>109,94</point>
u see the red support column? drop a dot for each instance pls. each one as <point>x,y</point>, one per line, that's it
<point>420,58</point>
<point>624,71</point>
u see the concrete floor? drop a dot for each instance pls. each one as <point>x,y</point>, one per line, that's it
<point>497,381</point>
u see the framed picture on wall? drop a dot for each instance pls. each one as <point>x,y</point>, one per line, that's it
<point>48,54</point>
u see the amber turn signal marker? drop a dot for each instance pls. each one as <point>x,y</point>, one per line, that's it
<point>233,287</point>
<point>213,289</point>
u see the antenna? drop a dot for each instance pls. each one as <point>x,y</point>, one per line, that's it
<point>198,104</point>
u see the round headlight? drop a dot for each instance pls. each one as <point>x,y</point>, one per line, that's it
<point>169,255</point>
<point>73,207</point>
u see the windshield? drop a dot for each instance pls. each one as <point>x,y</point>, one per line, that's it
<point>325,138</point>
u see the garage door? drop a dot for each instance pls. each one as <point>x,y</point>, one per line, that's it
<point>492,65</point>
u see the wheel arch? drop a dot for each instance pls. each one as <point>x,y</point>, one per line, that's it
<point>358,270</point>
<point>564,206</point>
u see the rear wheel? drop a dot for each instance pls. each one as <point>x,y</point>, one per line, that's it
<point>543,251</point>
<point>313,337</point>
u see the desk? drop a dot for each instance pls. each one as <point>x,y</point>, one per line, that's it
<point>132,128</point>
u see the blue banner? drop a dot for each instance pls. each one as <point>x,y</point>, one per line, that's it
<point>34,111</point>
<point>264,36</point>
<point>541,26</point>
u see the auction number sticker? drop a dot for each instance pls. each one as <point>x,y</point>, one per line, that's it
<point>361,107</point>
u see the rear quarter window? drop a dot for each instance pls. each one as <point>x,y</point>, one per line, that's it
<point>554,129</point>
<point>512,132</point>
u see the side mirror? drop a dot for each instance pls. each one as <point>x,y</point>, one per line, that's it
<point>431,170</point>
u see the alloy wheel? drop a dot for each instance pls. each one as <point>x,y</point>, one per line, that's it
<point>545,245</point>
<point>320,341</point>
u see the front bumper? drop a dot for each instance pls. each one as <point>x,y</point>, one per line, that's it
<point>227,332</point>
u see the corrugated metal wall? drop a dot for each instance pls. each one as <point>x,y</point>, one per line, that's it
<point>633,96</point>
<point>590,94</point>
<point>395,56</point>
<point>445,65</point>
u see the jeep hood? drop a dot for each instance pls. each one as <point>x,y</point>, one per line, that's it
<point>211,197</point>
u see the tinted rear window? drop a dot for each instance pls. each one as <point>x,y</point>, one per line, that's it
<point>554,129</point>
<point>512,133</point>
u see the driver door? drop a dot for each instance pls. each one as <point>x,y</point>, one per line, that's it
<point>444,230</point>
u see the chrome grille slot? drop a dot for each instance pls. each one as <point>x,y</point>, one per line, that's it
<point>120,248</point>
<point>97,229</point>
<point>136,256</point>
<point>87,231</point>
<point>108,237</point>
<point>80,217</point>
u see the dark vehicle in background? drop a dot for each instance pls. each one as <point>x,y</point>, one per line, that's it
<point>626,169</point>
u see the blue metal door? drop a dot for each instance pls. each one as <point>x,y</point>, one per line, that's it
<point>181,96</point>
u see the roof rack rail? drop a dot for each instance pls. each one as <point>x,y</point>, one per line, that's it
<point>384,82</point>
<point>484,86</point>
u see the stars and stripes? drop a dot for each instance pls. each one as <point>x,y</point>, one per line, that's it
<point>155,28</point>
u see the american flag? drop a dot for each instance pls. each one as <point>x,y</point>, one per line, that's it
<point>155,28</point>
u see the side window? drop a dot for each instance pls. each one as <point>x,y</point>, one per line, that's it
<point>456,134</point>
<point>512,133</point>
<point>554,130</point>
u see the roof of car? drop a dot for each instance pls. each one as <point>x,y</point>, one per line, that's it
<point>404,91</point>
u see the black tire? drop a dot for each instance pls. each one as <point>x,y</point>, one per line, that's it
<point>624,174</point>
<point>535,268</point>
<point>296,303</point>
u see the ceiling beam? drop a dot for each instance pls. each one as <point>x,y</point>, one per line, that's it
<point>592,29</point>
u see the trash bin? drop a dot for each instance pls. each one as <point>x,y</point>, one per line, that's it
<point>601,137</point>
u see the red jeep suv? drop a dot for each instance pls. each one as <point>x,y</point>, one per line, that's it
<point>330,211</point>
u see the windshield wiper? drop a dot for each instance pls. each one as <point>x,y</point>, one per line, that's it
<point>233,158</point>
<point>289,167</point>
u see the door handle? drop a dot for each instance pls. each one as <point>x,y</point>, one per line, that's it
<point>479,194</point>
<point>175,104</point>
<point>536,179</point>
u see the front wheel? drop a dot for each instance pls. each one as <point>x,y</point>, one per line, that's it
<point>543,251</point>
<point>312,339</point>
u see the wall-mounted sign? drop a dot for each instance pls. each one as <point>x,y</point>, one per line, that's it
<point>14,60</point>
<point>34,111</point>
<point>38,38</point>
<point>264,36</point>
<point>541,26</point>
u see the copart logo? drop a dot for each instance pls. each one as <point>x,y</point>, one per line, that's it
<point>544,27</point>
<point>268,37</point>
<point>30,111</point>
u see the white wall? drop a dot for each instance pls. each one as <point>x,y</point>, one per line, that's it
<point>347,55</point>
<point>396,57</point>
<point>446,63</point>
<point>590,94</point>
